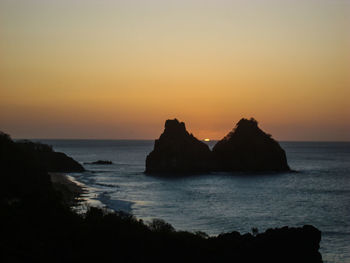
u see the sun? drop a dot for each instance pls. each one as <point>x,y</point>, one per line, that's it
<point>207,140</point>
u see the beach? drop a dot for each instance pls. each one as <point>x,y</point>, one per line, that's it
<point>71,192</point>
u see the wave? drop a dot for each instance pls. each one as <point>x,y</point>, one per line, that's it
<point>116,205</point>
<point>107,185</point>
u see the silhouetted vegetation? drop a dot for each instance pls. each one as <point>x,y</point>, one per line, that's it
<point>37,226</point>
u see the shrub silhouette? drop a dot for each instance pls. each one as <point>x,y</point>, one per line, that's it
<point>159,225</point>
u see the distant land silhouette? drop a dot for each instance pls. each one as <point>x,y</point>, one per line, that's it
<point>245,148</point>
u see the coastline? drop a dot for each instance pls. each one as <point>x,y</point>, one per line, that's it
<point>71,192</point>
<point>52,227</point>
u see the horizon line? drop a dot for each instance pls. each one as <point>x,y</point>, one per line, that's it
<point>133,139</point>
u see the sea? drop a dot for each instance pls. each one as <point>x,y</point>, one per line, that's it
<point>318,193</point>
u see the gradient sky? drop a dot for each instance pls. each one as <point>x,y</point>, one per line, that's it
<point>119,69</point>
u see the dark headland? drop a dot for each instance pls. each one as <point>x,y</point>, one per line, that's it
<point>245,148</point>
<point>38,225</point>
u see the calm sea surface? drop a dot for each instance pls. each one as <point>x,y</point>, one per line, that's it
<point>319,194</point>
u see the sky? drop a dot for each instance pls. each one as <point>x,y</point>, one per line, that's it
<point>103,69</point>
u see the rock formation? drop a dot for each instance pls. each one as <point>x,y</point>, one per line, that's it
<point>245,148</point>
<point>177,151</point>
<point>248,148</point>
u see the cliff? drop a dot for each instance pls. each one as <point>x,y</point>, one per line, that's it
<point>245,148</point>
<point>177,151</point>
<point>248,148</point>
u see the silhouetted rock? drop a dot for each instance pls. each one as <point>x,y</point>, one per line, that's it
<point>100,162</point>
<point>177,151</point>
<point>248,148</point>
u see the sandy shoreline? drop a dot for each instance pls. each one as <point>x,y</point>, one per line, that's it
<point>70,191</point>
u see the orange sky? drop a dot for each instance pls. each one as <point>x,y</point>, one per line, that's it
<point>119,69</point>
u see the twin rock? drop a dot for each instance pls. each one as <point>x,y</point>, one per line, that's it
<point>245,149</point>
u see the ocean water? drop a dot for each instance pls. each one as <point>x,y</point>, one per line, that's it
<point>318,194</point>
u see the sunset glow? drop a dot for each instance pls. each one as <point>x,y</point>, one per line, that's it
<point>119,69</point>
